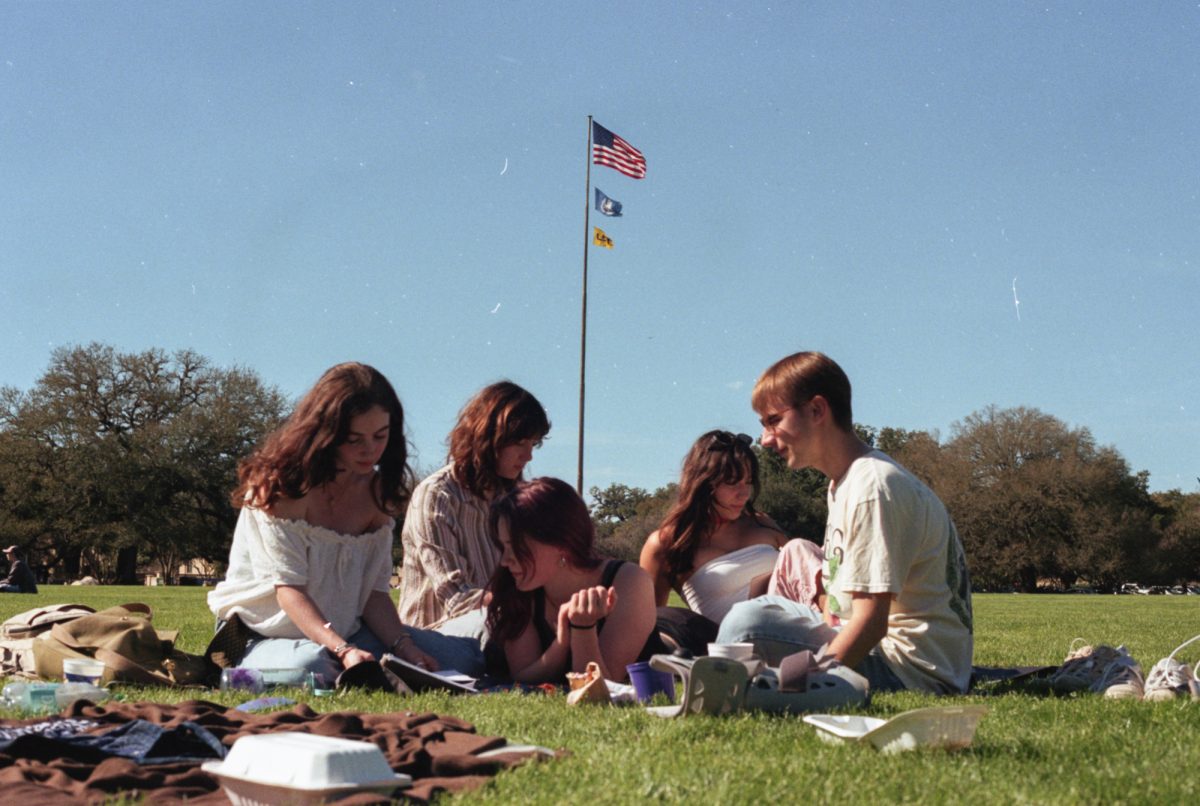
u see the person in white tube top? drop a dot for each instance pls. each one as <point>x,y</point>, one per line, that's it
<point>713,547</point>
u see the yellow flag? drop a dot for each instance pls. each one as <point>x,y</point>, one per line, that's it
<point>601,239</point>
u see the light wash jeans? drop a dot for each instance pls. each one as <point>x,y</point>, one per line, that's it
<point>450,651</point>
<point>778,627</point>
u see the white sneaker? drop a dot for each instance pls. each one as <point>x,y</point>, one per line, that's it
<point>1121,679</point>
<point>1084,666</point>
<point>1171,678</point>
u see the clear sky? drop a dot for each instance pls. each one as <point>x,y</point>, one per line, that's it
<point>286,185</point>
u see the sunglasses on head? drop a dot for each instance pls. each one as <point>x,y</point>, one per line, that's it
<point>724,440</point>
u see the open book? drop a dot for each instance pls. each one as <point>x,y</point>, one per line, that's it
<point>421,679</point>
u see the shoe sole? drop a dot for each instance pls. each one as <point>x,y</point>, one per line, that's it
<point>1123,692</point>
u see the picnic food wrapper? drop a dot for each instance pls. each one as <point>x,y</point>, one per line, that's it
<point>587,686</point>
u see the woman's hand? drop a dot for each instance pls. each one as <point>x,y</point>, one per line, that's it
<point>586,607</point>
<point>354,656</point>
<point>407,650</point>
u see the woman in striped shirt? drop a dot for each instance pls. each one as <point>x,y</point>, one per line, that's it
<point>449,555</point>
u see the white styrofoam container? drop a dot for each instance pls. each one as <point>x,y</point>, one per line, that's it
<point>300,768</point>
<point>948,727</point>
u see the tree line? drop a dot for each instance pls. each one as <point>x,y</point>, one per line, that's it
<point>114,459</point>
<point>1038,504</point>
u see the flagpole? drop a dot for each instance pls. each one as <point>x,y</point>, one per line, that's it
<point>587,189</point>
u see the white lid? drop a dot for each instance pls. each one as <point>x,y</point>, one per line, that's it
<point>305,761</point>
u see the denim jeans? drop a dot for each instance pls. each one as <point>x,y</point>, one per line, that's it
<point>778,627</point>
<point>303,655</point>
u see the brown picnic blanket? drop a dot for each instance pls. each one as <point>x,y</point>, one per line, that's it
<point>439,752</point>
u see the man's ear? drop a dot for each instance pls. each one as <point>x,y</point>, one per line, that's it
<point>819,408</point>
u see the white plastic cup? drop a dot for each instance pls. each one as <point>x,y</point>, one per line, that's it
<point>742,651</point>
<point>83,670</point>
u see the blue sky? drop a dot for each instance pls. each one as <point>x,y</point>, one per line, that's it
<point>288,185</point>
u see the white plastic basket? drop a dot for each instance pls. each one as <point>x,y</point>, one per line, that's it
<point>302,769</point>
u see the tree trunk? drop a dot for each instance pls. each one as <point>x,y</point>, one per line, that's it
<point>127,565</point>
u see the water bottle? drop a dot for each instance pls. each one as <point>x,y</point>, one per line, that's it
<point>35,698</point>
<point>45,698</point>
<point>68,693</point>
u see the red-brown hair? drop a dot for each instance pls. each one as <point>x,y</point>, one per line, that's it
<point>548,511</point>
<point>500,415</point>
<point>302,453</point>
<point>799,378</point>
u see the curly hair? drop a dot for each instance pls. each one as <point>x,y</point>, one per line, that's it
<point>302,453</point>
<point>548,511</point>
<point>500,415</point>
<point>717,457</point>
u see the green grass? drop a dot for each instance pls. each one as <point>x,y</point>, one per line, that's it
<point>1032,747</point>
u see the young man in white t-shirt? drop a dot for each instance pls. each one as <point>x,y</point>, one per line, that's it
<point>898,605</point>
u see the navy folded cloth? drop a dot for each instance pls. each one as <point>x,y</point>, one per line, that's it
<point>139,741</point>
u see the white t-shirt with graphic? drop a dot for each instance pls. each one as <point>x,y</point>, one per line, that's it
<point>888,533</point>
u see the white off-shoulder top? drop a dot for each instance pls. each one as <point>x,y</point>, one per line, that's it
<point>339,572</point>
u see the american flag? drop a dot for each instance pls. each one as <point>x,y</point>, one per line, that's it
<point>611,150</point>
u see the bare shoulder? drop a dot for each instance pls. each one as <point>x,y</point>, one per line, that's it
<point>292,509</point>
<point>763,529</point>
<point>632,578</point>
<point>655,543</point>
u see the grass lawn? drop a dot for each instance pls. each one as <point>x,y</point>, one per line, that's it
<point>1032,747</point>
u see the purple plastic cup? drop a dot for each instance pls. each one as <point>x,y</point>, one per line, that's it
<point>647,682</point>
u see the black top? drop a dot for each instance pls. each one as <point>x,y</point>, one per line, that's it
<point>547,634</point>
<point>21,577</point>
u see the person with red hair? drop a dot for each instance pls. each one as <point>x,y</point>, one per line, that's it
<point>557,605</point>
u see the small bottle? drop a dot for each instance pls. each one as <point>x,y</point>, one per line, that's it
<point>70,692</point>
<point>13,695</point>
<point>37,698</point>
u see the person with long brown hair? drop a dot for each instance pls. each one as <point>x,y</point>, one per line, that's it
<point>311,559</point>
<point>713,547</point>
<point>556,605</point>
<point>449,555</point>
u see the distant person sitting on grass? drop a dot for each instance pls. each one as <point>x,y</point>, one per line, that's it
<point>556,605</point>
<point>312,552</point>
<point>20,579</point>
<point>898,605</point>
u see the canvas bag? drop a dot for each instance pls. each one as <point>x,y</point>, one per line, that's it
<point>18,632</point>
<point>132,650</point>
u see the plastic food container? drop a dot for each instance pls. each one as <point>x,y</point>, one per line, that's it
<point>300,768</point>
<point>83,670</point>
<point>948,728</point>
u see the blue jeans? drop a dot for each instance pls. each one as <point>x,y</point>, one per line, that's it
<point>303,655</point>
<point>778,627</point>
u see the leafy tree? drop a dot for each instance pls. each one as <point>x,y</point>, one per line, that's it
<point>795,499</point>
<point>1035,499</point>
<point>625,537</point>
<point>115,454</point>
<point>1179,518</point>
<point>615,503</point>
